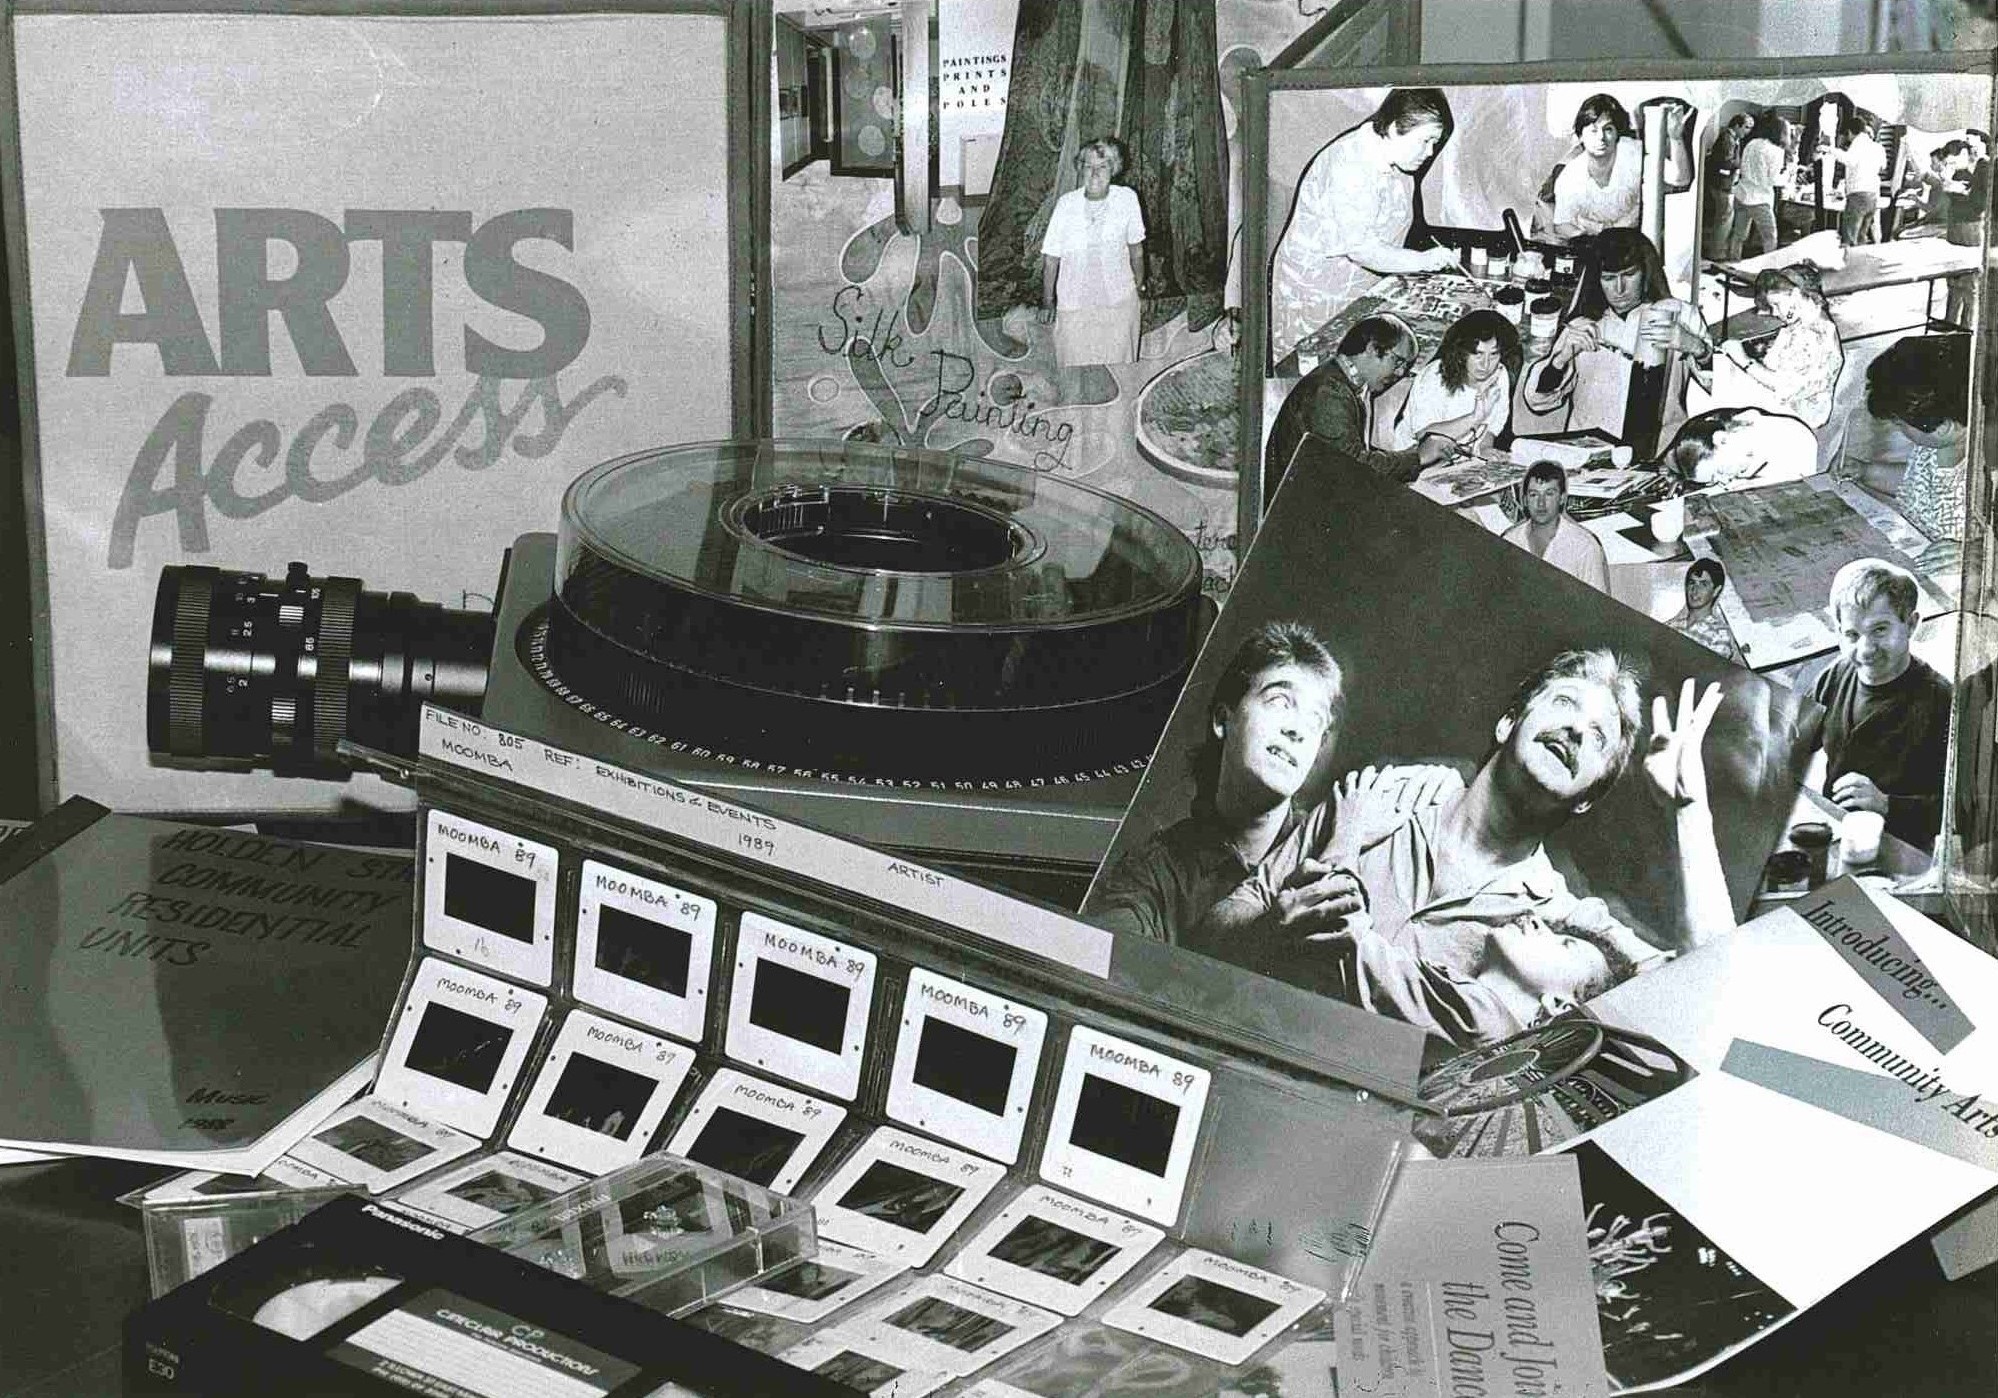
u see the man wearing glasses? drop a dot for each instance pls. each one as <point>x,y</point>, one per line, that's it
<point>1334,401</point>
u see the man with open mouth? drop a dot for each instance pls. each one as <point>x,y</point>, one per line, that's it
<point>1444,870</point>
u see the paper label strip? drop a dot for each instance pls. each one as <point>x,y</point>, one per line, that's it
<point>1925,1112</point>
<point>784,847</point>
<point>1858,931</point>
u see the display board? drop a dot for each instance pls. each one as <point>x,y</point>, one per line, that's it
<point>1498,182</point>
<point>366,289</point>
<point>1750,284</point>
<point>921,320</point>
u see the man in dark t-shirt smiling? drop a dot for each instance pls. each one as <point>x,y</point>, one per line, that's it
<point>1885,729</point>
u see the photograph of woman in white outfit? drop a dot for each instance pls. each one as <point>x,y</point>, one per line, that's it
<point>1093,264</point>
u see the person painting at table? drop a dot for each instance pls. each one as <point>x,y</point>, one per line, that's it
<point>1335,401</point>
<point>1920,386</point>
<point>1464,394</point>
<point>1969,186</point>
<point>1865,162</point>
<point>1797,372</point>
<point>1733,448</point>
<point>1093,266</point>
<point>1445,870</point>
<point>1350,220</point>
<point>1700,619</point>
<point>1626,347</point>
<point>1549,535</point>
<point>1885,725</point>
<point>1923,197</point>
<point>1756,179</point>
<point>1601,183</point>
<point>1929,185</point>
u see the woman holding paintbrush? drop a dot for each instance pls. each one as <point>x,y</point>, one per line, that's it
<point>1465,392</point>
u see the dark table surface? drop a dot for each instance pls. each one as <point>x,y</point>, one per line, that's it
<point>76,1263</point>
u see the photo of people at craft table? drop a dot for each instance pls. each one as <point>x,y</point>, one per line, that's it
<point>1685,341</point>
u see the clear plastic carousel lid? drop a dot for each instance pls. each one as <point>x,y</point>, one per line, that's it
<point>865,534</point>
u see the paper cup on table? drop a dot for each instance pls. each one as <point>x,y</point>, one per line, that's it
<point>1859,837</point>
<point>1668,521</point>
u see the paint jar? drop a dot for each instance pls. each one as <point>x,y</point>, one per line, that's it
<point>1530,264</point>
<point>1654,321</point>
<point>1546,318</point>
<point>1814,838</point>
<point>1510,302</point>
<point>1788,871</point>
<point>1499,266</point>
<point>1480,261</point>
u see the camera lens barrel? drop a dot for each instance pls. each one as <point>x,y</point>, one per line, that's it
<point>250,671</point>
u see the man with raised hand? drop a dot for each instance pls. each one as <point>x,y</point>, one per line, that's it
<point>1441,872</point>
